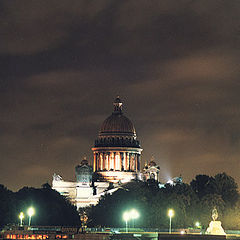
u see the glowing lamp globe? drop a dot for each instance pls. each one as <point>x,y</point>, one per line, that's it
<point>126,216</point>
<point>170,213</point>
<point>134,214</point>
<point>31,212</point>
<point>21,215</point>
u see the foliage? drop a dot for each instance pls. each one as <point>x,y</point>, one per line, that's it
<point>191,202</point>
<point>51,208</point>
<point>6,205</point>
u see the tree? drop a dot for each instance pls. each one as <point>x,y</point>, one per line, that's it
<point>7,206</point>
<point>227,188</point>
<point>203,185</point>
<point>51,207</point>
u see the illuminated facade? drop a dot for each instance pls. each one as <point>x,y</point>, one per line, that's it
<point>151,171</point>
<point>117,151</point>
<point>117,154</point>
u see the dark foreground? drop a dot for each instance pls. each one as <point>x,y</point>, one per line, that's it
<point>66,233</point>
<point>111,236</point>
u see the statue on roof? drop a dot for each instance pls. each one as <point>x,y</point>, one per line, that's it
<point>57,177</point>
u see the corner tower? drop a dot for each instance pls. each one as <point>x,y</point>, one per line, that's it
<point>117,151</point>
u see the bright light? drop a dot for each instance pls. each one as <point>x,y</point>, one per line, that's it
<point>134,214</point>
<point>182,232</point>
<point>126,216</point>
<point>21,215</point>
<point>31,212</point>
<point>170,213</point>
<point>197,224</point>
<point>170,182</point>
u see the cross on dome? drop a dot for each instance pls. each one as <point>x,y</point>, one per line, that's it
<point>117,106</point>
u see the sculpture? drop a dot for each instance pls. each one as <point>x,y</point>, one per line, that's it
<point>57,177</point>
<point>215,227</point>
<point>214,214</point>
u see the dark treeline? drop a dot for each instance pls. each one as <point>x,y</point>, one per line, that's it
<point>191,202</point>
<point>51,208</point>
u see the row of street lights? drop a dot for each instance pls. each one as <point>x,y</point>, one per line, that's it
<point>133,214</point>
<point>30,212</point>
<point>128,215</point>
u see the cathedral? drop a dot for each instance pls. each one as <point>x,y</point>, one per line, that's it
<point>116,160</point>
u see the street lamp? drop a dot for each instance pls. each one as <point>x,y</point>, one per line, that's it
<point>134,215</point>
<point>126,217</point>
<point>197,224</point>
<point>21,216</point>
<point>30,213</point>
<point>170,214</point>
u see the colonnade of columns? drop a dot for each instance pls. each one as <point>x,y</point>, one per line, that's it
<point>116,161</point>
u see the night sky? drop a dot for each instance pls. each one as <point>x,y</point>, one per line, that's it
<point>175,65</point>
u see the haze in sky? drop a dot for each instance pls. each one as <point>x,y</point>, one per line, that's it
<point>175,65</point>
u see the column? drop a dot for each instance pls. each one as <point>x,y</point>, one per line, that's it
<point>128,161</point>
<point>137,161</point>
<point>101,161</point>
<point>104,155</point>
<point>108,161</point>
<point>121,161</point>
<point>94,162</point>
<point>132,161</point>
<point>114,161</point>
<point>125,161</point>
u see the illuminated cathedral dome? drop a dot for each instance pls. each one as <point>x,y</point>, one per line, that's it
<point>117,129</point>
<point>116,150</point>
<point>117,123</point>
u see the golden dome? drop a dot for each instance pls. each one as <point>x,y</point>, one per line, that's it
<point>117,122</point>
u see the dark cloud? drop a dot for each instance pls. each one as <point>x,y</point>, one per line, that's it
<point>174,63</point>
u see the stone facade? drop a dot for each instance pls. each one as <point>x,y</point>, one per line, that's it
<point>116,160</point>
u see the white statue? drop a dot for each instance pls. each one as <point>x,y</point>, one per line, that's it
<point>57,177</point>
<point>215,227</point>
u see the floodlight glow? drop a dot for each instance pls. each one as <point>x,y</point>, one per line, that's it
<point>126,216</point>
<point>31,211</point>
<point>170,213</point>
<point>21,216</point>
<point>170,182</point>
<point>197,224</point>
<point>182,232</point>
<point>134,214</point>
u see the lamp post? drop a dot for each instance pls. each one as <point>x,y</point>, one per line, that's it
<point>21,217</point>
<point>170,214</point>
<point>126,217</point>
<point>30,213</point>
<point>134,215</point>
<point>197,224</point>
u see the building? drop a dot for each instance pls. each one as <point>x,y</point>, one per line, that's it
<point>117,151</point>
<point>117,155</point>
<point>151,171</point>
